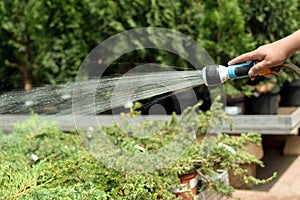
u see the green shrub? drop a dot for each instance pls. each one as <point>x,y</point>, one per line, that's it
<point>43,41</point>
<point>46,41</point>
<point>40,161</point>
<point>224,32</point>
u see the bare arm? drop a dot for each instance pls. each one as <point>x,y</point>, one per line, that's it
<point>271,55</point>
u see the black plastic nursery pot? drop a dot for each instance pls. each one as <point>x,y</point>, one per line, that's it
<point>265,103</point>
<point>235,105</point>
<point>160,105</point>
<point>183,99</point>
<point>290,94</point>
<point>188,97</point>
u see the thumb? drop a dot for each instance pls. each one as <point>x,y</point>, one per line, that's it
<point>259,67</point>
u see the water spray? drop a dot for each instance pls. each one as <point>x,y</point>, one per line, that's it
<point>217,74</point>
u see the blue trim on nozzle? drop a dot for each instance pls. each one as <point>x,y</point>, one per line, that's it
<point>239,70</point>
<point>231,72</point>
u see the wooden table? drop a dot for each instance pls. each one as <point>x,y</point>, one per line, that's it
<point>286,122</point>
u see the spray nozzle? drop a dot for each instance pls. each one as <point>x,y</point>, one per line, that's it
<point>217,74</point>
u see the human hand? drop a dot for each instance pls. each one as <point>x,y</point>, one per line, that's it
<point>269,55</point>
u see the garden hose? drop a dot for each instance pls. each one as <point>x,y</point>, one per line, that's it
<point>217,74</point>
<point>292,67</point>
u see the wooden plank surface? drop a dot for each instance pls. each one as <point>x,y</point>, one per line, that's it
<point>283,124</point>
<point>287,121</point>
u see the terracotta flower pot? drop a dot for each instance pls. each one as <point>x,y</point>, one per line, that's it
<point>188,185</point>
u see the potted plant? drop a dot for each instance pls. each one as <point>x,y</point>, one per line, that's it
<point>204,158</point>
<point>261,95</point>
<point>47,163</point>
<point>236,93</point>
<point>265,98</point>
<point>290,92</point>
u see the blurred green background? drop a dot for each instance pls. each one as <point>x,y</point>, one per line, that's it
<point>44,42</point>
